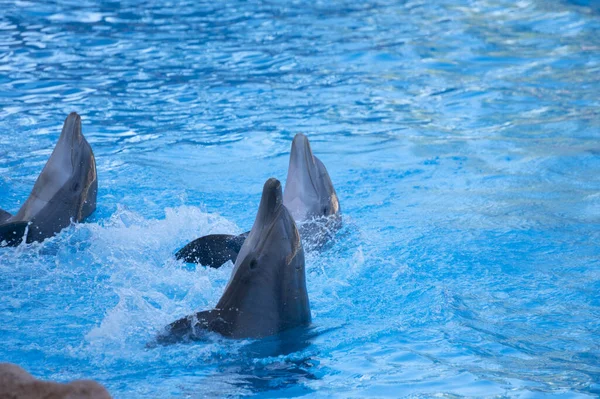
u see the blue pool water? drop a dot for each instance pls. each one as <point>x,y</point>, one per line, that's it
<point>463,140</point>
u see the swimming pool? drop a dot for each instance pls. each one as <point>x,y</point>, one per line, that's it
<point>461,137</point>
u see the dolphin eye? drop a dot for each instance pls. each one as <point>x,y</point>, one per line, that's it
<point>76,186</point>
<point>253,264</point>
<point>325,210</point>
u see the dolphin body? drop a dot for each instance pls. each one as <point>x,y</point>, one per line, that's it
<point>309,196</point>
<point>65,191</point>
<point>266,293</point>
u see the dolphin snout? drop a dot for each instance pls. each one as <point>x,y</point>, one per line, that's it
<point>72,128</point>
<point>301,146</point>
<point>272,184</point>
<point>300,139</point>
<point>272,196</point>
<point>301,155</point>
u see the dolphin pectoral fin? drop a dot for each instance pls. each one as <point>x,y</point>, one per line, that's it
<point>4,216</point>
<point>212,250</point>
<point>12,234</point>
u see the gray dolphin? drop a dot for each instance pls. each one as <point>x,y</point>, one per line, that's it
<point>65,191</point>
<point>266,293</point>
<point>309,195</point>
<point>310,198</point>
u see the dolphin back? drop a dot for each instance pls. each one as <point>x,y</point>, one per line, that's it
<point>212,250</point>
<point>190,328</point>
<point>12,233</point>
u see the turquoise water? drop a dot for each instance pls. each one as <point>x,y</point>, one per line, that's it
<point>463,141</point>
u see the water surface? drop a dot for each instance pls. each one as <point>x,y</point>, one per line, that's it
<point>461,136</point>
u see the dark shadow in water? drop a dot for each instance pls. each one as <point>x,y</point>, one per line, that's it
<point>279,379</point>
<point>277,366</point>
<point>594,5</point>
<point>259,372</point>
<point>292,341</point>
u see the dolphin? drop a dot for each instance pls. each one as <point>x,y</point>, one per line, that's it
<point>309,196</point>
<point>266,293</point>
<point>65,191</point>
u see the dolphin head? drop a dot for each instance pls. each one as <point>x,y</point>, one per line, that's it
<point>309,192</point>
<point>266,293</point>
<point>61,164</point>
<point>68,181</point>
<point>72,160</point>
<point>83,182</point>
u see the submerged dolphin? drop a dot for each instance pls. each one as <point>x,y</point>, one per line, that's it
<point>310,198</point>
<point>266,293</point>
<point>65,191</point>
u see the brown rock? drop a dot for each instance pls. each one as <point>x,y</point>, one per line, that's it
<point>16,383</point>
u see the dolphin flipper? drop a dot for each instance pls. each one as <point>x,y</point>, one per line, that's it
<point>4,216</point>
<point>11,234</point>
<point>212,250</point>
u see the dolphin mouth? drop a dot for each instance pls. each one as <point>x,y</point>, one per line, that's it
<point>271,213</point>
<point>268,228</point>
<point>72,137</point>
<point>271,196</point>
<point>292,233</point>
<point>72,129</point>
<point>302,156</point>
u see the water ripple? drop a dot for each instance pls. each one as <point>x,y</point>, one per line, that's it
<point>461,136</point>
